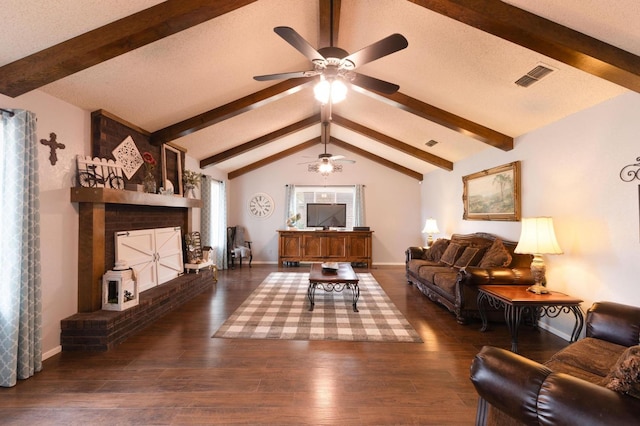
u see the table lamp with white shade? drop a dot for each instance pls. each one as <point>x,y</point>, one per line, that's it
<point>430,228</point>
<point>537,238</point>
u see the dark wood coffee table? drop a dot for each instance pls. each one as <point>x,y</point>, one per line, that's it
<point>516,300</point>
<point>339,280</point>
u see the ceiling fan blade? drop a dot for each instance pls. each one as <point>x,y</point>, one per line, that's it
<point>286,75</point>
<point>375,84</point>
<point>377,50</point>
<point>336,157</point>
<point>345,160</point>
<point>308,162</point>
<point>299,43</point>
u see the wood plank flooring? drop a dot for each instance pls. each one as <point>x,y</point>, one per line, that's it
<point>174,373</point>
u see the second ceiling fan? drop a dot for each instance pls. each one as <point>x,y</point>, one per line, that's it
<point>326,163</point>
<point>333,63</point>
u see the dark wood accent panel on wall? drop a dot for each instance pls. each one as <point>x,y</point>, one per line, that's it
<point>108,131</point>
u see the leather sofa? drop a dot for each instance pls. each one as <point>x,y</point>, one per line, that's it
<point>594,381</point>
<point>450,270</point>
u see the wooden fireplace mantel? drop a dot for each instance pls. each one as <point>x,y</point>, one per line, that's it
<point>93,204</point>
<point>118,196</point>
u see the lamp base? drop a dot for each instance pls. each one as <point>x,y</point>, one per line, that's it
<point>538,289</point>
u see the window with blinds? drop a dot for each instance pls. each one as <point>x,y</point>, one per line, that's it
<point>328,195</point>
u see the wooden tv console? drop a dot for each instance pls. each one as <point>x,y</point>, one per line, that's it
<point>324,246</point>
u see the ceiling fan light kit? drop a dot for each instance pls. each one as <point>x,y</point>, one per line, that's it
<point>333,91</point>
<point>325,168</point>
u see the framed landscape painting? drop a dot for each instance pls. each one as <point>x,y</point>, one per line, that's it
<point>493,194</point>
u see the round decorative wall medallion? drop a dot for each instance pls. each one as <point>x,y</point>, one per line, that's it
<point>260,205</point>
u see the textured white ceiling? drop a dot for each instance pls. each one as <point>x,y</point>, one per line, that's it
<point>447,64</point>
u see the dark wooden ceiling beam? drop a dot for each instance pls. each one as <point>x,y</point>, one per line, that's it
<point>383,161</point>
<point>329,23</point>
<point>544,36</point>
<point>109,41</point>
<point>393,143</point>
<point>224,112</point>
<point>273,158</point>
<point>262,140</point>
<point>442,117</point>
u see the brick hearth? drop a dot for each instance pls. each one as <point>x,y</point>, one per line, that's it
<point>102,330</point>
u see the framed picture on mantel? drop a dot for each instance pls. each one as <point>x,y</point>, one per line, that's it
<point>493,194</point>
<point>172,169</point>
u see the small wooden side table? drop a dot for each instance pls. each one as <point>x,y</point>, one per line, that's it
<point>516,300</point>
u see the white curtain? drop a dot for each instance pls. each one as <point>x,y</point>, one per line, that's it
<point>213,222</point>
<point>358,220</point>
<point>20,279</point>
<point>289,201</point>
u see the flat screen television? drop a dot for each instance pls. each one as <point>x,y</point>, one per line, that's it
<point>326,215</point>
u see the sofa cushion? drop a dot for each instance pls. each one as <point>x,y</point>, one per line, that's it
<point>496,255</point>
<point>594,356</point>
<point>436,250</point>
<point>446,280</point>
<point>426,273</point>
<point>625,374</point>
<point>415,264</point>
<point>470,257</point>
<point>451,254</point>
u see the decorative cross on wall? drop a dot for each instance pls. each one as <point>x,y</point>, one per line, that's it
<point>53,145</point>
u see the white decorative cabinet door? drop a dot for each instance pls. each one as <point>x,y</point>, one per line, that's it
<point>169,253</point>
<point>155,255</point>
<point>138,249</point>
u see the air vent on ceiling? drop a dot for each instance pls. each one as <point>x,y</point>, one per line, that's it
<point>541,70</point>
<point>431,143</point>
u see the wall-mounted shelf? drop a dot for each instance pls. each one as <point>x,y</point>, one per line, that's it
<point>119,196</point>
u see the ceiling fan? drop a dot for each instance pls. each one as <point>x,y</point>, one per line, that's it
<point>333,63</point>
<point>327,163</point>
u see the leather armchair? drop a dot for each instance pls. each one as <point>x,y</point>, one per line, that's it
<point>531,393</point>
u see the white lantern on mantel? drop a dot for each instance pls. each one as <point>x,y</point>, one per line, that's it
<point>119,288</point>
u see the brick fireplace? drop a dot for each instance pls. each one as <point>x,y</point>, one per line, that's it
<point>102,213</point>
<point>105,211</point>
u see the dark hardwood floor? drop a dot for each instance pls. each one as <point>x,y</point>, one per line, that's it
<point>173,372</point>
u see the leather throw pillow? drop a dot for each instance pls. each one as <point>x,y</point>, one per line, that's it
<point>497,255</point>
<point>436,250</point>
<point>625,374</point>
<point>470,257</point>
<point>451,254</point>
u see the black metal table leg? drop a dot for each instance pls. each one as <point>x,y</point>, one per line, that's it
<point>577,328</point>
<point>311,290</point>
<point>513,316</point>
<point>482,297</point>
<point>356,294</point>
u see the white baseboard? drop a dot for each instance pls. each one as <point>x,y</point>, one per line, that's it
<point>52,352</point>
<point>553,330</point>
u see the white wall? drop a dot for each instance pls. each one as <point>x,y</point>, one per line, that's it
<point>570,171</point>
<point>58,216</point>
<point>392,203</point>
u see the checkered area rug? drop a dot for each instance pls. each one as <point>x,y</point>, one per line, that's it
<point>278,309</point>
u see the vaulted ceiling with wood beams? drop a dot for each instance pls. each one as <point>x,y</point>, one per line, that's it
<point>183,71</point>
